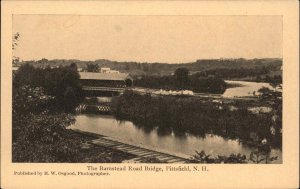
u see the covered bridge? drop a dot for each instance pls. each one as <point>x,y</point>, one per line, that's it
<point>114,80</point>
<point>104,82</point>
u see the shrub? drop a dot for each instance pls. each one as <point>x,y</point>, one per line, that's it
<point>40,135</point>
<point>255,157</point>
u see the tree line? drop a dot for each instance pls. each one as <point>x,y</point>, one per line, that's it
<point>138,68</point>
<point>262,74</point>
<point>182,80</point>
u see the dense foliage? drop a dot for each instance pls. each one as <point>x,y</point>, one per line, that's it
<point>61,83</point>
<point>199,117</point>
<point>183,81</point>
<point>40,135</point>
<point>90,67</point>
<point>202,157</point>
<point>259,156</point>
<point>40,99</point>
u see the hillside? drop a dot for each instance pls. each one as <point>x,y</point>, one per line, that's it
<point>136,68</point>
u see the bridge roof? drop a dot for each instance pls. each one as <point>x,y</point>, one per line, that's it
<point>104,76</point>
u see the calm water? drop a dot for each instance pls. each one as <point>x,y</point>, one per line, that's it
<point>246,89</point>
<point>181,145</point>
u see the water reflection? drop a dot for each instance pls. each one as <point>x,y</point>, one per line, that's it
<point>162,139</point>
<point>246,88</point>
<point>163,131</point>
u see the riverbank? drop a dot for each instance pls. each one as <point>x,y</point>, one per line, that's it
<point>231,120</point>
<point>147,155</point>
<point>90,153</point>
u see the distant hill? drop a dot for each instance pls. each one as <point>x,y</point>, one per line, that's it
<point>136,68</point>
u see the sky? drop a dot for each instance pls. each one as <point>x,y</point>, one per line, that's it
<point>165,39</point>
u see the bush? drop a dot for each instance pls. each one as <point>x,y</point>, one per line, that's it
<point>40,135</point>
<point>255,157</point>
<point>43,138</point>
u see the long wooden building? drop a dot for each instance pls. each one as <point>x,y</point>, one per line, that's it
<point>114,80</point>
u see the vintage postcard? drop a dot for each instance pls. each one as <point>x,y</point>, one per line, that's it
<point>140,94</point>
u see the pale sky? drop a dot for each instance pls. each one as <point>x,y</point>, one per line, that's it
<point>165,39</point>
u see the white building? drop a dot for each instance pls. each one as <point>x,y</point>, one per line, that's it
<point>108,70</point>
<point>104,70</point>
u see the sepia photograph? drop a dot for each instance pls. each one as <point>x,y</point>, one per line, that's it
<point>149,94</point>
<point>147,89</point>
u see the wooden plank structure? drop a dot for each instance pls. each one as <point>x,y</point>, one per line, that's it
<point>114,89</point>
<point>140,152</point>
<point>103,108</point>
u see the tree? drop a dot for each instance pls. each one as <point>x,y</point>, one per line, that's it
<point>15,40</point>
<point>40,135</point>
<point>181,75</point>
<point>69,98</point>
<point>274,100</point>
<point>92,67</point>
<point>39,126</point>
<point>43,61</point>
<point>14,44</point>
<point>62,83</point>
<point>74,66</point>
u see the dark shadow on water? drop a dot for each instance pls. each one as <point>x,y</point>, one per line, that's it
<point>166,130</point>
<point>163,131</point>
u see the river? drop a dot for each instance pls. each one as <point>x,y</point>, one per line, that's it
<point>184,146</point>
<point>245,89</point>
